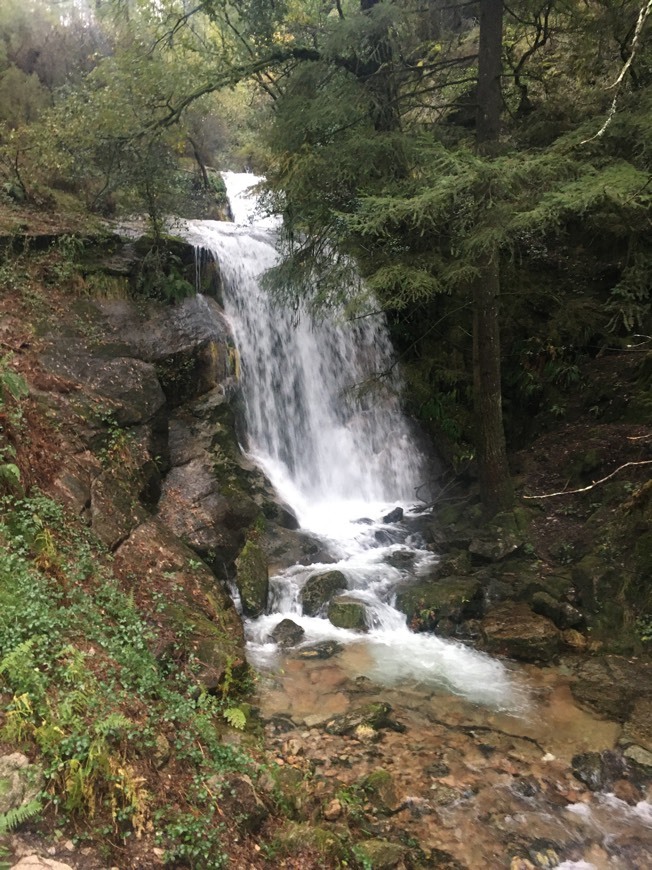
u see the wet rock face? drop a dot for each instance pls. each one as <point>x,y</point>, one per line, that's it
<point>599,770</point>
<point>252,579</point>
<point>637,731</point>
<point>513,629</point>
<point>319,589</point>
<point>611,685</point>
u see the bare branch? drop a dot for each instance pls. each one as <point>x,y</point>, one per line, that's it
<point>593,485</point>
<point>642,18</point>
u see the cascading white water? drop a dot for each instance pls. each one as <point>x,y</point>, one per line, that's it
<point>318,440</point>
<point>334,456</point>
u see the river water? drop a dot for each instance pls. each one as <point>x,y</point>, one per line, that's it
<point>343,458</point>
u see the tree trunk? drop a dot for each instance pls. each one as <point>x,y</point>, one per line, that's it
<point>495,484</point>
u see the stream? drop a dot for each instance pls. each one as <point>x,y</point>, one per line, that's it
<point>478,751</point>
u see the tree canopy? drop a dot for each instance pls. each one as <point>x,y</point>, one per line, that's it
<point>363,115</point>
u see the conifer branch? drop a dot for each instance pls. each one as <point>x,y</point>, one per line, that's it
<point>642,18</point>
<point>591,486</point>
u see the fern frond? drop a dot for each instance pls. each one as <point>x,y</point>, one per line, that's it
<point>19,815</point>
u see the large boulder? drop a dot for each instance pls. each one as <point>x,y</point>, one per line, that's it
<point>429,604</point>
<point>513,629</point>
<point>193,505</point>
<point>319,589</point>
<point>125,388</point>
<point>189,343</point>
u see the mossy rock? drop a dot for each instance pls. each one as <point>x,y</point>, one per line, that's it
<point>345,611</point>
<point>381,854</point>
<point>319,589</point>
<point>454,598</point>
<point>252,579</point>
<point>297,837</point>
<point>379,786</point>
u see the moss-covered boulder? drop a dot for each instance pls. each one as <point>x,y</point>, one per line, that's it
<point>429,603</point>
<point>319,589</point>
<point>344,611</point>
<point>252,579</point>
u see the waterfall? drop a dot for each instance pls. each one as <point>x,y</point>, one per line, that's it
<point>337,457</point>
<point>320,421</point>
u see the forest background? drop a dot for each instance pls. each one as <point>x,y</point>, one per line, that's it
<point>366,119</point>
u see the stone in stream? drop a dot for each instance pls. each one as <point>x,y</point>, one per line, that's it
<point>374,715</point>
<point>394,516</point>
<point>599,770</point>
<point>319,589</point>
<point>430,602</point>
<point>400,558</point>
<point>344,611</point>
<point>287,633</point>
<point>324,650</point>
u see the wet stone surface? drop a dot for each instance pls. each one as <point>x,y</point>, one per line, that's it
<point>473,787</point>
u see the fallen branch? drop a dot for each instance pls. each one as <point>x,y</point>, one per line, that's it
<point>593,485</point>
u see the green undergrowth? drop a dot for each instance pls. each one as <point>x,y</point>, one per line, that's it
<point>126,739</point>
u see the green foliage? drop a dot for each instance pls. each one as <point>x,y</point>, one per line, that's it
<point>644,628</point>
<point>76,660</point>
<point>236,717</point>
<point>17,816</point>
<point>12,384</point>
<point>160,276</point>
